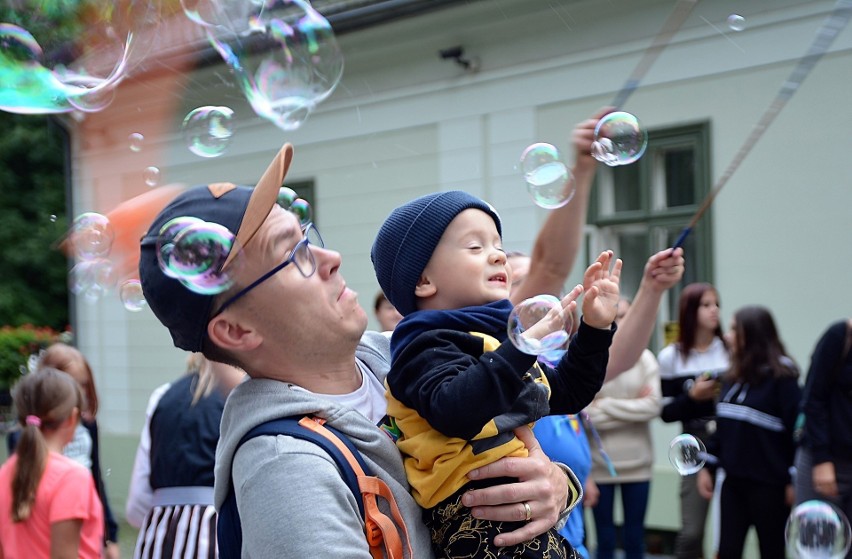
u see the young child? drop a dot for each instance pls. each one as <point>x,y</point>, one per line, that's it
<point>457,388</point>
<point>48,503</point>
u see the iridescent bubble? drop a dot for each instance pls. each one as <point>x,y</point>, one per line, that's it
<point>166,241</point>
<point>151,176</point>
<point>549,181</point>
<point>286,197</point>
<point>74,55</point>
<point>302,210</point>
<point>299,68</point>
<point>539,325</point>
<point>131,295</point>
<point>53,218</point>
<point>91,236</point>
<point>93,277</point>
<point>619,139</point>
<point>208,130</point>
<point>736,22</point>
<point>687,454</point>
<point>220,17</point>
<point>198,255</point>
<point>135,141</point>
<point>817,529</point>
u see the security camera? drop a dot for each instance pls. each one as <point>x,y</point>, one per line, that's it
<point>452,52</point>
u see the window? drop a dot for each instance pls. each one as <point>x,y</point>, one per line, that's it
<point>642,208</point>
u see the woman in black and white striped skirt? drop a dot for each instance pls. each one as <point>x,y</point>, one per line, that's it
<point>171,489</point>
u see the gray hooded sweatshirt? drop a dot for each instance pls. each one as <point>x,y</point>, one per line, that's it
<point>291,497</point>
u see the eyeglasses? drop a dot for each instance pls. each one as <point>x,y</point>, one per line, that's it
<point>301,256</point>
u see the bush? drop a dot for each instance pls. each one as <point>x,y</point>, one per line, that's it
<point>17,343</point>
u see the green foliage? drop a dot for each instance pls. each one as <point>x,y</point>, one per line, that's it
<point>33,275</point>
<point>16,345</point>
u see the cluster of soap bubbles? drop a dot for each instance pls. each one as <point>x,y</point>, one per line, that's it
<point>620,139</point>
<point>93,276</point>
<point>817,530</point>
<point>58,72</point>
<point>540,326</point>
<point>194,251</point>
<point>548,179</point>
<point>282,53</point>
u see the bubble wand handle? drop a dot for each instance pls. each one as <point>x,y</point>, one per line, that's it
<point>678,15</point>
<point>828,31</point>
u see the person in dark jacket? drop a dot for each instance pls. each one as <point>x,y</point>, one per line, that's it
<point>753,441</point>
<point>824,457</point>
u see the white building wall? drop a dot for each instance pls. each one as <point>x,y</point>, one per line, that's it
<point>403,123</point>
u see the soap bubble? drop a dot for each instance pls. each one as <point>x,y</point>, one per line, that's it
<point>539,325</point>
<point>151,176</point>
<point>57,57</point>
<point>817,530</point>
<point>91,236</point>
<point>286,197</point>
<point>131,295</point>
<point>549,181</point>
<point>299,66</point>
<point>687,454</point>
<point>619,139</point>
<point>166,241</point>
<point>135,141</point>
<point>198,255</point>
<point>736,22</point>
<point>91,279</point>
<point>208,130</point>
<point>302,210</point>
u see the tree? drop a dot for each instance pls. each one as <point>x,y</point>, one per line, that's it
<point>33,271</point>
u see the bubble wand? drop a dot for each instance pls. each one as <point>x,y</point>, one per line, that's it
<point>828,31</point>
<point>676,18</point>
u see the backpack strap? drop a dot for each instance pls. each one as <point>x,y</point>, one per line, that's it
<point>381,532</point>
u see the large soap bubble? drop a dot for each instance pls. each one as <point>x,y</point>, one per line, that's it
<point>539,325</point>
<point>71,55</point>
<point>549,181</point>
<point>687,454</point>
<point>620,139</point>
<point>817,530</point>
<point>286,58</point>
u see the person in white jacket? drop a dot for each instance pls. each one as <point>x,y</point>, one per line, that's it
<point>621,413</point>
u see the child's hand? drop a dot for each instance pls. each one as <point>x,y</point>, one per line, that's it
<point>554,321</point>
<point>601,300</point>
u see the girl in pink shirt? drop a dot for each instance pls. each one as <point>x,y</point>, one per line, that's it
<point>49,507</point>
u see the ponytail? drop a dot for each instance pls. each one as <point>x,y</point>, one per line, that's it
<point>44,400</point>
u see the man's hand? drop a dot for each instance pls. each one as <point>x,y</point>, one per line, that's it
<point>825,480</point>
<point>705,484</point>
<point>664,269</point>
<point>582,137</point>
<point>542,485</point>
<point>591,494</point>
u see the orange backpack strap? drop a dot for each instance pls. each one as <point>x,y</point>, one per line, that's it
<point>385,535</point>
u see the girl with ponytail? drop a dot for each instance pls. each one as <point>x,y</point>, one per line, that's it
<point>49,507</point>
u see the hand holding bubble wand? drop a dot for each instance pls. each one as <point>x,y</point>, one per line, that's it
<point>826,34</point>
<point>619,139</point>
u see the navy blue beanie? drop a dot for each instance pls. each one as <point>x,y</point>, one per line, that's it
<point>408,237</point>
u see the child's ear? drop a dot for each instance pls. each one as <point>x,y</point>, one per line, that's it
<point>425,288</point>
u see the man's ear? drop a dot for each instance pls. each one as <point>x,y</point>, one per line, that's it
<point>232,335</point>
<point>425,288</point>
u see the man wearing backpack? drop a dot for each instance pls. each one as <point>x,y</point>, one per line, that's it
<point>288,319</point>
